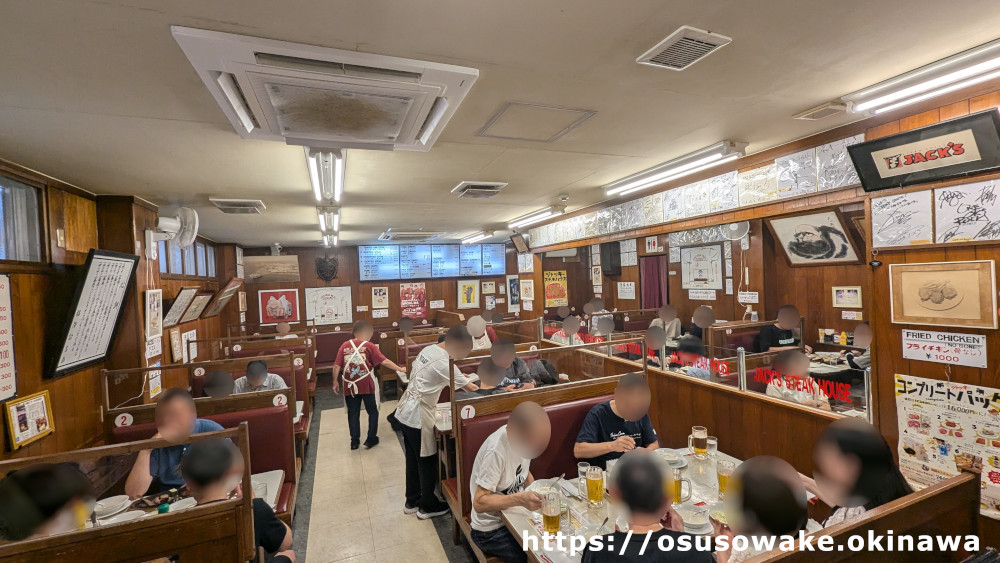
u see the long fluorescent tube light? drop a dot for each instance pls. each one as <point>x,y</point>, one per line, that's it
<point>536,216</point>
<point>476,237</point>
<point>714,155</point>
<point>326,172</point>
<point>329,218</point>
<point>330,240</point>
<point>946,75</point>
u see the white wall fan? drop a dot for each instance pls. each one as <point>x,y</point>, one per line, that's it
<point>181,229</point>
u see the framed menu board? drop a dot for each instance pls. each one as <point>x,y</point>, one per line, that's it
<point>28,419</point>
<point>94,313</point>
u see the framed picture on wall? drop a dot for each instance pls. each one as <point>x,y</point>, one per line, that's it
<point>176,346</point>
<point>527,290</point>
<point>222,298</point>
<point>329,305</point>
<point>846,296</point>
<point>29,419</point>
<point>154,313</point>
<point>814,239</point>
<point>197,307</point>
<point>278,305</point>
<point>960,294</point>
<point>701,267</point>
<point>489,287</point>
<point>242,301</point>
<point>180,305</point>
<point>468,294</point>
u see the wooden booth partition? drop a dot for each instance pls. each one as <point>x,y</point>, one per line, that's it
<point>747,424</point>
<point>219,531</point>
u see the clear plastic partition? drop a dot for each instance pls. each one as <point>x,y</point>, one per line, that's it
<point>520,332</point>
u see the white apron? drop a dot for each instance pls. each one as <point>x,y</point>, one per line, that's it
<point>357,358</point>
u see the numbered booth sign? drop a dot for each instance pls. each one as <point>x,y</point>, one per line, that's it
<point>280,400</point>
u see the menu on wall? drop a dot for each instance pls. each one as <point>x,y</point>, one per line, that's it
<point>8,372</point>
<point>471,263</point>
<point>95,311</point>
<point>494,259</point>
<point>445,258</point>
<point>415,261</point>
<point>945,427</point>
<point>378,262</point>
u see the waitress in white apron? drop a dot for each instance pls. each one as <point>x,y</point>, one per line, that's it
<point>415,413</point>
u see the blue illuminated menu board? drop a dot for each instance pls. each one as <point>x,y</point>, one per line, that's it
<point>494,259</point>
<point>444,260</point>
<point>472,260</point>
<point>415,262</point>
<point>378,262</point>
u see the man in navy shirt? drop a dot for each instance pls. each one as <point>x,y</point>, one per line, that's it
<point>619,425</point>
<point>176,420</point>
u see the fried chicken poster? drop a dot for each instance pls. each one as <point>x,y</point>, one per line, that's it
<point>556,288</point>
<point>413,300</point>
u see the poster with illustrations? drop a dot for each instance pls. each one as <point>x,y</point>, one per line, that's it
<point>468,294</point>
<point>528,290</point>
<point>413,300</point>
<point>945,427</point>
<point>556,288</point>
<point>380,298</point>
<point>489,288</point>
<point>154,313</point>
<point>491,302</point>
<point>329,305</point>
<point>29,419</point>
<point>514,295</point>
<point>701,267</point>
<point>815,238</point>
<point>278,305</point>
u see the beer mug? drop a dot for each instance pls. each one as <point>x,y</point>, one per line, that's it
<point>724,469</point>
<point>677,481</point>
<point>595,485</point>
<point>551,509</point>
<point>698,442</point>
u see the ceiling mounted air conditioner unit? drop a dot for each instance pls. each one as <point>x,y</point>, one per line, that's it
<point>239,206</point>
<point>478,190</point>
<point>409,236</point>
<point>325,98</point>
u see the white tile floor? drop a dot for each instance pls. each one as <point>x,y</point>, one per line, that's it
<point>357,500</point>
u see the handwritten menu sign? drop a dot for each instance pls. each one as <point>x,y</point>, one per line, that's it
<point>471,263</point>
<point>902,220</point>
<point>445,258</point>
<point>494,259</point>
<point>8,379</point>
<point>96,308</point>
<point>945,347</point>
<point>945,427</point>
<point>415,261</point>
<point>378,262</point>
<point>968,212</point>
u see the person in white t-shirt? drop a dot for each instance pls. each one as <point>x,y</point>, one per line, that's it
<point>415,413</point>
<point>499,475</point>
<point>570,333</point>
<point>792,381</point>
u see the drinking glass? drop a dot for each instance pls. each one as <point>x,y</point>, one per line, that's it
<point>698,441</point>
<point>581,469</point>
<point>595,485</point>
<point>676,475</point>
<point>724,469</point>
<point>713,446</point>
<point>551,508</point>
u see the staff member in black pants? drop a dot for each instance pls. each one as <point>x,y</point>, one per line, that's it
<point>415,413</point>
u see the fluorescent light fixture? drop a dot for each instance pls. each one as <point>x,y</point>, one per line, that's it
<point>329,218</point>
<point>714,155</point>
<point>329,240</point>
<point>967,68</point>
<point>326,172</point>
<point>477,237</point>
<point>536,216</point>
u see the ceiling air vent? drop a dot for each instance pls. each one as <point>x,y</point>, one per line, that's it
<point>239,206</point>
<point>683,48</point>
<point>325,98</point>
<point>821,111</point>
<point>478,190</point>
<point>409,236</point>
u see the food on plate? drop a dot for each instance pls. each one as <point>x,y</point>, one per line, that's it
<point>693,518</point>
<point>719,516</point>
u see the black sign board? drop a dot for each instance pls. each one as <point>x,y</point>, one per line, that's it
<point>958,147</point>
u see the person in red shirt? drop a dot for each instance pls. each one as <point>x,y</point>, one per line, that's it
<point>356,360</point>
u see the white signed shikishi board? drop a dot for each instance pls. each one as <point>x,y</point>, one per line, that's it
<point>902,220</point>
<point>969,212</point>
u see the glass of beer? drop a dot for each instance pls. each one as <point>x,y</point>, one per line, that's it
<point>676,477</point>
<point>698,442</point>
<point>595,485</point>
<point>551,510</point>
<point>724,469</point>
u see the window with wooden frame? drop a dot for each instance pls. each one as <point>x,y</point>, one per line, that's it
<point>196,261</point>
<point>20,221</point>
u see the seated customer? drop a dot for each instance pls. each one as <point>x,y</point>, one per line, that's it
<point>779,336</point>
<point>619,425</point>
<point>569,334</point>
<point>544,373</point>
<point>860,361</point>
<point>504,355</point>
<point>176,419</point>
<point>855,471</point>
<point>258,379</point>
<point>490,377</point>
<point>499,475</point>
<point>482,335</point>
<point>43,500</point>
<point>790,380</point>
<point>671,327</point>
<point>691,353</point>
<point>212,469</point>
<point>218,384</point>
<point>283,329</point>
<point>638,484</point>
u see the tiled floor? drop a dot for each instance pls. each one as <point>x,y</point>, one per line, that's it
<point>357,500</point>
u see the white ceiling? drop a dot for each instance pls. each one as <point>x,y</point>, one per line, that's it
<point>97,93</point>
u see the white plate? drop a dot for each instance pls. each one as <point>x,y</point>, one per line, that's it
<point>183,504</point>
<point>542,486</point>
<point>673,457</point>
<point>111,505</point>
<point>124,517</point>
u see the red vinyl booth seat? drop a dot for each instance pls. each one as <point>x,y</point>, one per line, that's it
<point>271,445</point>
<point>277,349</point>
<point>327,346</point>
<point>566,419</point>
